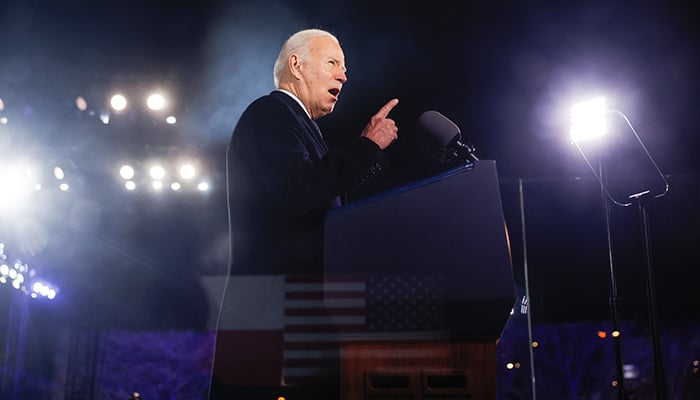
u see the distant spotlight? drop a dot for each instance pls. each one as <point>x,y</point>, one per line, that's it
<point>37,186</point>
<point>81,103</point>
<point>130,185</point>
<point>157,185</point>
<point>630,371</point>
<point>126,171</point>
<point>157,172</point>
<point>4,120</point>
<point>588,120</point>
<point>187,171</point>
<point>43,289</point>
<point>58,173</point>
<point>171,120</point>
<point>118,102</point>
<point>175,186</point>
<point>155,102</point>
<point>2,104</point>
<point>203,186</point>
<point>64,187</point>
<point>104,117</point>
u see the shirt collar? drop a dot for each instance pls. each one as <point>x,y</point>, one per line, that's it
<point>297,100</point>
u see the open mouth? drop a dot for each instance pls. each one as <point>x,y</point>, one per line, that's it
<point>334,92</point>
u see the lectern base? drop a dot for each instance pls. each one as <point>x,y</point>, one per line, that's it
<point>412,370</point>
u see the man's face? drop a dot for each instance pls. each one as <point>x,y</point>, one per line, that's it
<point>323,76</point>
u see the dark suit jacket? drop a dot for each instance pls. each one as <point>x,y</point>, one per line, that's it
<point>282,180</point>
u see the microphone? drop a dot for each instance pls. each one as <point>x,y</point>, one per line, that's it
<point>442,138</point>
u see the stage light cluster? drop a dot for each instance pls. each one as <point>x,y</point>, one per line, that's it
<point>22,277</point>
<point>119,102</point>
<point>159,175</point>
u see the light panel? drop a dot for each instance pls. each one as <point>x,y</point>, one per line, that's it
<point>588,120</point>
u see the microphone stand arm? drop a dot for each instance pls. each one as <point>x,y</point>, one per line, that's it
<point>463,151</point>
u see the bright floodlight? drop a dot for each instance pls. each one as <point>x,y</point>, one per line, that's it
<point>118,102</point>
<point>171,120</point>
<point>187,171</point>
<point>175,186</point>
<point>58,173</point>
<point>155,102</point>
<point>203,186</point>
<point>157,185</point>
<point>2,104</point>
<point>126,171</point>
<point>64,187</point>
<point>588,120</point>
<point>14,186</point>
<point>130,185</point>
<point>157,172</point>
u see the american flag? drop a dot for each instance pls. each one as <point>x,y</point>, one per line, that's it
<point>319,311</point>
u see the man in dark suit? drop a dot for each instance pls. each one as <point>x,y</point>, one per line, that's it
<point>282,180</point>
<point>282,177</point>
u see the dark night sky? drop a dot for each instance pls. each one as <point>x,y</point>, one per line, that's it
<point>506,72</point>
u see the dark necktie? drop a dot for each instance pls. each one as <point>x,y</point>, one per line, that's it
<point>323,147</point>
<point>319,138</point>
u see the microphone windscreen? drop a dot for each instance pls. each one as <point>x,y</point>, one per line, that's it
<point>437,133</point>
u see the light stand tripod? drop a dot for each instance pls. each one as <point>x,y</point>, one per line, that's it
<point>614,299</point>
<point>642,198</point>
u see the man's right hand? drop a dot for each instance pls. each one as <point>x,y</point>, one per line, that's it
<point>380,129</point>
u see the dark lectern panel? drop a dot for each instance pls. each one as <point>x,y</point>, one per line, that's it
<point>448,229</point>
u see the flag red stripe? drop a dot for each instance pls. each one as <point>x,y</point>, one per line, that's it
<point>320,311</point>
<point>320,328</point>
<point>310,345</point>
<point>320,294</point>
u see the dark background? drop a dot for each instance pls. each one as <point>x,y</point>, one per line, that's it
<point>505,72</point>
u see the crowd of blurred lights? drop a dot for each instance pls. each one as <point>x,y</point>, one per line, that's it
<point>22,277</point>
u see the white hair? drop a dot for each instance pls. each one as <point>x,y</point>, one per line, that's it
<point>297,43</point>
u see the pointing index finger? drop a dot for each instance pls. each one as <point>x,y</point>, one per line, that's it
<point>386,108</point>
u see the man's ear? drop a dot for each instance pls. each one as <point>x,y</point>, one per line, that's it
<point>295,65</point>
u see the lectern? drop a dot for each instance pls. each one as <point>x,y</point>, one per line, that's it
<point>439,287</point>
